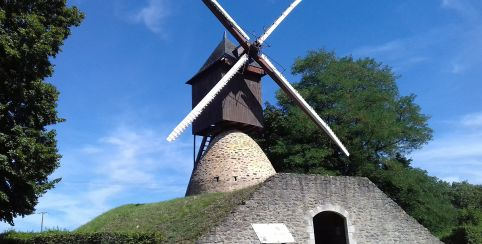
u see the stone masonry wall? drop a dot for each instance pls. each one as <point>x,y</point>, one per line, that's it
<point>233,161</point>
<point>293,199</point>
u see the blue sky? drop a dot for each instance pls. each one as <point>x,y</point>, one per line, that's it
<point>121,77</point>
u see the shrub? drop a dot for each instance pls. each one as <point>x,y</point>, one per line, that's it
<point>465,234</point>
<point>74,238</point>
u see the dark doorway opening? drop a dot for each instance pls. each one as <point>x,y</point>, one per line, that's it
<point>330,228</point>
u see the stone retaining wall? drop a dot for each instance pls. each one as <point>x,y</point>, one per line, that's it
<point>294,199</point>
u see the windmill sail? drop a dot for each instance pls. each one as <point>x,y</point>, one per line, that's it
<point>207,99</point>
<point>228,22</point>
<point>270,30</point>
<point>298,99</point>
<point>263,61</point>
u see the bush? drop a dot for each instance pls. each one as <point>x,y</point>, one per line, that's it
<point>69,237</point>
<point>465,234</point>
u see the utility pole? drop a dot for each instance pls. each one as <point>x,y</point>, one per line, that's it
<point>42,222</point>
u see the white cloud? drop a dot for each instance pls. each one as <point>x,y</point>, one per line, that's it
<point>468,34</point>
<point>134,157</point>
<point>455,47</point>
<point>391,46</point>
<point>451,179</point>
<point>457,155</point>
<point>472,120</point>
<point>458,67</point>
<point>401,53</point>
<point>153,16</point>
<point>67,210</point>
<point>469,9</point>
<point>457,146</point>
<point>128,162</point>
<point>90,149</point>
<point>468,52</point>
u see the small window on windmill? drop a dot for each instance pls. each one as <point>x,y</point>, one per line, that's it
<point>235,178</point>
<point>216,178</point>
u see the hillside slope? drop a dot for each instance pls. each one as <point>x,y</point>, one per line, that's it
<point>177,220</point>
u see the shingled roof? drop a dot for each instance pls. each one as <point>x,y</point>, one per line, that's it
<point>225,49</point>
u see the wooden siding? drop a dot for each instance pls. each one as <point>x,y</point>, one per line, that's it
<point>237,106</point>
<point>242,100</point>
<point>200,87</point>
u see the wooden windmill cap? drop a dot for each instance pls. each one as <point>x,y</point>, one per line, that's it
<point>228,52</point>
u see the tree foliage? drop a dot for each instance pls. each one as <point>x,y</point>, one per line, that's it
<point>360,100</point>
<point>31,33</point>
<point>425,198</point>
<point>467,199</point>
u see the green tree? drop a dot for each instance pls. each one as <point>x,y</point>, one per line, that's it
<point>425,198</point>
<point>360,100</point>
<point>465,195</point>
<point>467,198</point>
<point>31,33</point>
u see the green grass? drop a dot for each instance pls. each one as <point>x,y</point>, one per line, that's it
<point>178,220</point>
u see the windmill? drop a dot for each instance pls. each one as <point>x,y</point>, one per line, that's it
<point>246,57</point>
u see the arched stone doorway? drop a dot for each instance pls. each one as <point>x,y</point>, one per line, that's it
<point>334,215</point>
<point>329,228</point>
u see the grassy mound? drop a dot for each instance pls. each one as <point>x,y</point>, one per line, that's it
<point>178,220</point>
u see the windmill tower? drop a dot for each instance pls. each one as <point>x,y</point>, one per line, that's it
<point>228,159</point>
<point>230,109</point>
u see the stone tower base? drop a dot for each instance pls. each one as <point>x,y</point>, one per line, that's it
<point>233,161</point>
